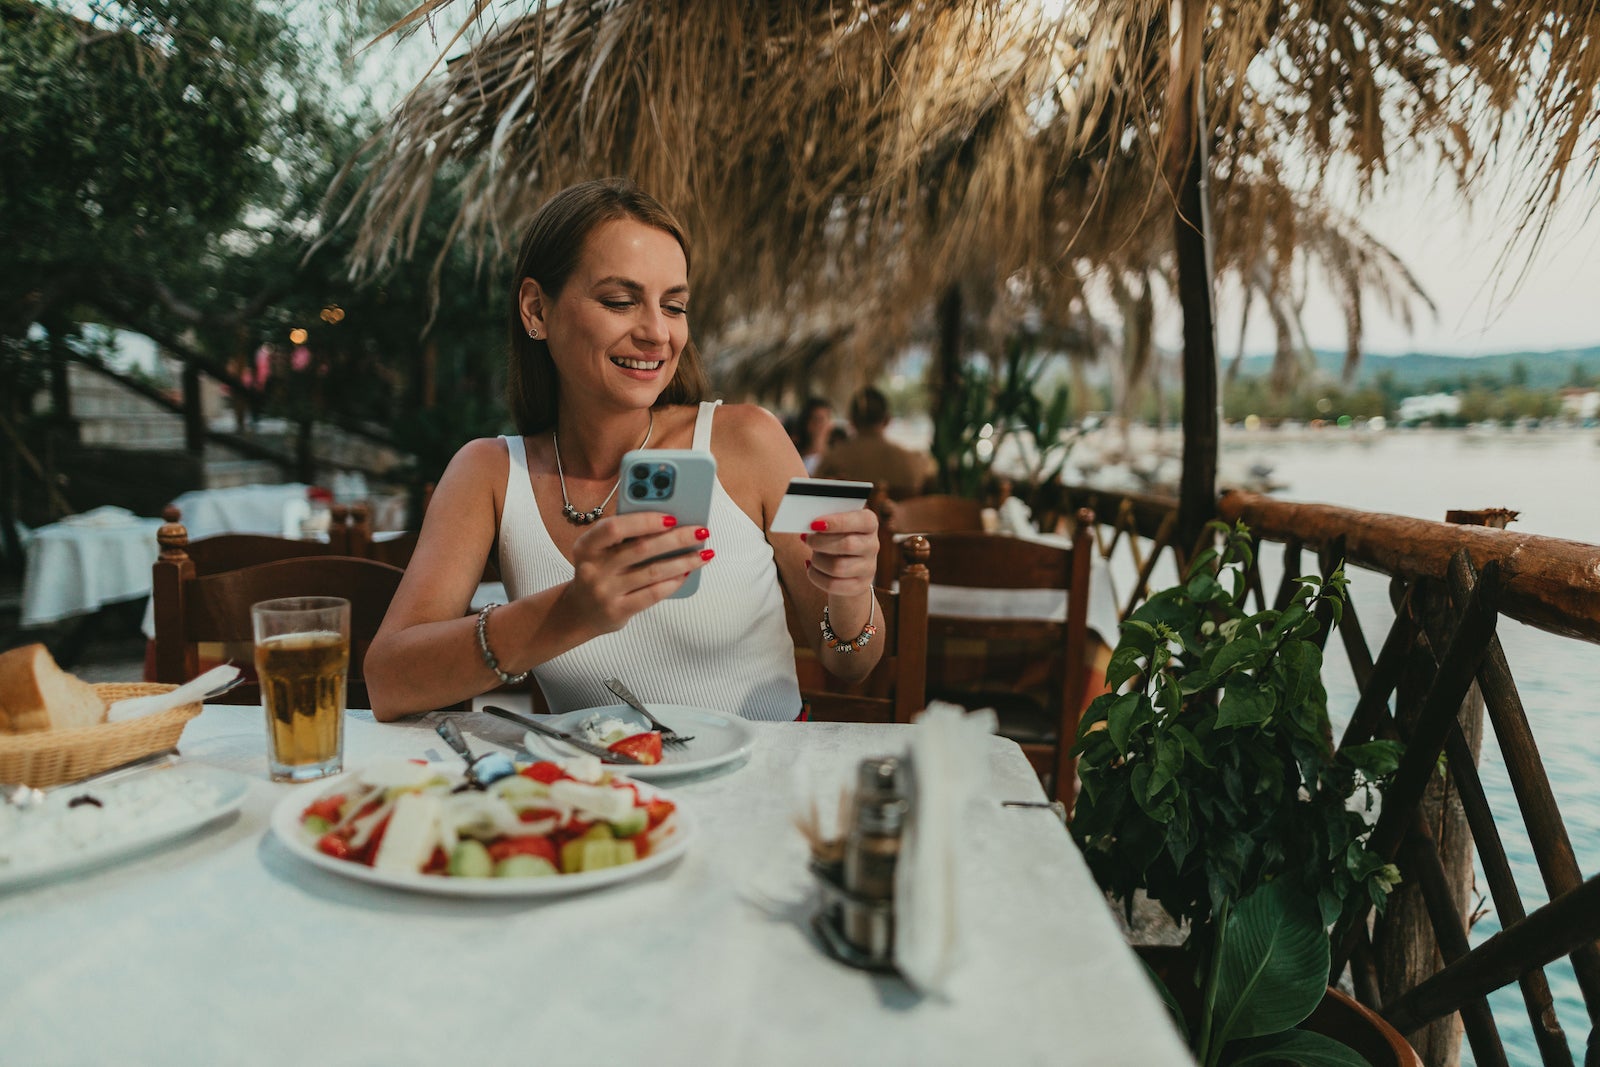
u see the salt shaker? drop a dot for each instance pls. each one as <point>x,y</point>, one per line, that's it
<point>872,850</point>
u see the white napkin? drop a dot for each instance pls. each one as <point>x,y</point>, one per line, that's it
<point>195,689</point>
<point>1016,518</point>
<point>109,515</point>
<point>947,767</point>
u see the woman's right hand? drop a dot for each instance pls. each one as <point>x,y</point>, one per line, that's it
<point>614,577</point>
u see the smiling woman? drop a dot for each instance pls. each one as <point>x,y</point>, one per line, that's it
<point>601,363</point>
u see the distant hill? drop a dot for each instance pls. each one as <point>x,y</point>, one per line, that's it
<point>1416,370</point>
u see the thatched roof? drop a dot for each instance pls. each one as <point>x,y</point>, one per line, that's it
<point>839,164</point>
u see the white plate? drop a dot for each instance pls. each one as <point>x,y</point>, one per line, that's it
<point>718,737</point>
<point>213,794</point>
<point>286,825</point>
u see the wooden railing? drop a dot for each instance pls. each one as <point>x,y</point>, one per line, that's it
<point>1450,584</point>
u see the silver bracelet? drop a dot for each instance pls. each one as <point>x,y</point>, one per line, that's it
<point>861,640</point>
<point>488,657</point>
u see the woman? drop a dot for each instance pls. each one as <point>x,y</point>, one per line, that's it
<point>601,363</point>
<point>812,431</point>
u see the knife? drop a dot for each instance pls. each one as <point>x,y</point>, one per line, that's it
<point>578,743</point>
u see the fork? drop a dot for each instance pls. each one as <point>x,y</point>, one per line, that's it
<point>669,736</point>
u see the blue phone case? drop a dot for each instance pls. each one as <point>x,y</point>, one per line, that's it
<point>677,481</point>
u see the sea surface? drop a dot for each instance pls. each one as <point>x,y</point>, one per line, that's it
<point>1552,478</point>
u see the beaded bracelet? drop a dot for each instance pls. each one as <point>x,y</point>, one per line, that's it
<point>488,657</point>
<point>862,639</point>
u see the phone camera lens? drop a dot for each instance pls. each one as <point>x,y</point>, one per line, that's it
<point>637,490</point>
<point>661,481</point>
<point>639,472</point>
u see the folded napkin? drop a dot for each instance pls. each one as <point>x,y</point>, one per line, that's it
<point>213,682</point>
<point>947,767</point>
<point>1016,518</point>
<point>109,515</point>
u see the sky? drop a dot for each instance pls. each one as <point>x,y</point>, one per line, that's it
<point>1454,251</point>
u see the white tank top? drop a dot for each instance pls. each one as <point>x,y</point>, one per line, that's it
<point>726,647</point>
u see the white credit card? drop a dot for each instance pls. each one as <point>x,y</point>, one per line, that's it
<point>809,499</point>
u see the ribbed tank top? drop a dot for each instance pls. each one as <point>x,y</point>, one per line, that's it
<point>726,647</point>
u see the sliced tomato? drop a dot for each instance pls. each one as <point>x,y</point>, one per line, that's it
<point>645,747</point>
<point>658,810</point>
<point>326,808</point>
<point>438,863</point>
<point>524,845</point>
<point>334,845</point>
<point>535,814</point>
<point>367,852</point>
<point>544,771</point>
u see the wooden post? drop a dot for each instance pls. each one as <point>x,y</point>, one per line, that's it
<point>1406,947</point>
<point>1187,162</point>
<point>194,416</point>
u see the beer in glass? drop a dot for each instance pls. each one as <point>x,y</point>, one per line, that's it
<point>302,659</point>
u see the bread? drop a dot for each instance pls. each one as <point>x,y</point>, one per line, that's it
<point>36,694</point>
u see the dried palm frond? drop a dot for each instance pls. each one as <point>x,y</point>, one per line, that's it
<point>844,163</point>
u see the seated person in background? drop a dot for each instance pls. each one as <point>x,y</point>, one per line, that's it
<point>870,457</point>
<point>812,430</point>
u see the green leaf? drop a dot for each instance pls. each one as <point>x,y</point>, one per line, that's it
<point>1167,998</point>
<point>1123,716</point>
<point>1126,662</point>
<point>1274,969</point>
<point>1375,759</point>
<point>1302,1047</point>
<point>1204,588</point>
<point>1245,703</point>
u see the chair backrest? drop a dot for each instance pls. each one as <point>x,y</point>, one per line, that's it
<point>230,551</point>
<point>931,513</point>
<point>896,688</point>
<point>1001,563</point>
<point>397,551</point>
<point>193,607</point>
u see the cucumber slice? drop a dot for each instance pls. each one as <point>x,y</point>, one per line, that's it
<point>524,867</point>
<point>471,860</point>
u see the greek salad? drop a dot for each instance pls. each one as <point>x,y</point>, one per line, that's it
<point>548,819</point>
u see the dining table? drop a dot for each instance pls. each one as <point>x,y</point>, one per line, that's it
<point>84,562</point>
<point>225,946</point>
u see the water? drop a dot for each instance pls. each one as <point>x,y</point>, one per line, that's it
<point>1553,479</point>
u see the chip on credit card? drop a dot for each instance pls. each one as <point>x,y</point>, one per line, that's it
<point>809,499</point>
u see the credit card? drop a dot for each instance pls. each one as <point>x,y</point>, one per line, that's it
<point>809,499</point>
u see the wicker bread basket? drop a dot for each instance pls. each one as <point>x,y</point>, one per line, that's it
<point>51,757</point>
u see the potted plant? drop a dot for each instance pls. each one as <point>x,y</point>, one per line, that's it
<point>1210,781</point>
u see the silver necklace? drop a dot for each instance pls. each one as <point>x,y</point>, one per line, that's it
<point>584,518</point>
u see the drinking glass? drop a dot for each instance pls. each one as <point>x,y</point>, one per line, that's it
<point>302,659</point>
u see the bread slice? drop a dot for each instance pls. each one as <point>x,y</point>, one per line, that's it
<point>36,694</point>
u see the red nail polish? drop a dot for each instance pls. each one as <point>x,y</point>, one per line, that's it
<point>803,537</point>
<point>701,534</point>
<point>808,564</point>
<point>707,553</point>
<point>668,521</point>
<point>818,525</point>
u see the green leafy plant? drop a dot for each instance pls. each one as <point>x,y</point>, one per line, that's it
<point>1210,782</point>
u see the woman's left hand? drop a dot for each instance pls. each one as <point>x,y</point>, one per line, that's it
<point>844,552</point>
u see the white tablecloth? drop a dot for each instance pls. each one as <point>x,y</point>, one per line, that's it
<point>259,509</point>
<point>85,561</point>
<point>228,949</point>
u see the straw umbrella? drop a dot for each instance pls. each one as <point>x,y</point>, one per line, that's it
<point>848,168</point>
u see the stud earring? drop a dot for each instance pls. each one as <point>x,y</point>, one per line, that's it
<point>533,333</point>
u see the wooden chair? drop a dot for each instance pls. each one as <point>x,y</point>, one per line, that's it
<point>193,607</point>
<point>1032,671</point>
<point>932,513</point>
<point>396,551</point>
<point>894,691</point>
<point>230,551</point>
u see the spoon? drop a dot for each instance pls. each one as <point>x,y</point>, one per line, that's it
<point>482,771</point>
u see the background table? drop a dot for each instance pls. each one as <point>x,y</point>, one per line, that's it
<point>227,948</point>
<point>83,562</point>
<point>259,509</point>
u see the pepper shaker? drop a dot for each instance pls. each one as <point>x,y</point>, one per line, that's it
<point>871,854</point>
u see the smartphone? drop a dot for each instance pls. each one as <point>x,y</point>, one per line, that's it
<point>676,481</point>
